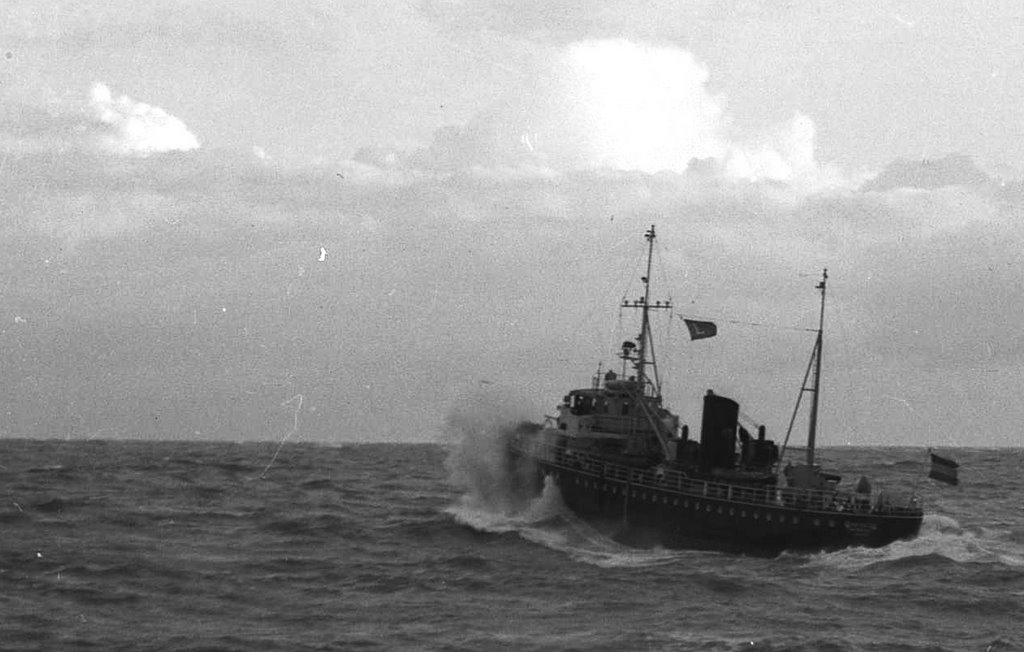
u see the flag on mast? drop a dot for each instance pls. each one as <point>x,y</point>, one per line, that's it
<point>943,469</point>
<point>700,329</point>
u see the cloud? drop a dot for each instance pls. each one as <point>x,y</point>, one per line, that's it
<point>565,21</point>
<point>641,107</point>
<point>194,291</point>
<point>779,156</point>
<point>649,108</point>
<point>951,170</point>
<point>615,104</point>
<point>190,283</point>
<point>137,128</point>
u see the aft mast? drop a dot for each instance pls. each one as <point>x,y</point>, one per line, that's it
<point>812,428</point>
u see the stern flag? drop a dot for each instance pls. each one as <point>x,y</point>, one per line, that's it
<point>700,329</point>
<point>943,469</point>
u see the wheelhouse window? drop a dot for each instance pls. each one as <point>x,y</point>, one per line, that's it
<point>581,404</point>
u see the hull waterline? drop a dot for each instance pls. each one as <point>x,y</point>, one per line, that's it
<point>645,510</point>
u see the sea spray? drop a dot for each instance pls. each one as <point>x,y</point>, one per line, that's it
<point>500,494</point>
<point>941,537</point>
<point>478,462</point>
<point>536,521</point>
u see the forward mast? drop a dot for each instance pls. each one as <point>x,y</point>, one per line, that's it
<point>641,353</point>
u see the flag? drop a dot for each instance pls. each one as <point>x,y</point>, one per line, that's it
<point>700,329</point>
<point>943,470</point>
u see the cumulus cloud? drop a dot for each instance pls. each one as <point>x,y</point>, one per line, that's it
<point>641,107</point>
<point>649,108</point>
<point>137,128</point>
<point>620,105</point>
<point>780,156</point>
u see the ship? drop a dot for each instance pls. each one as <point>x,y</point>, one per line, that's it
<point>622,462</point>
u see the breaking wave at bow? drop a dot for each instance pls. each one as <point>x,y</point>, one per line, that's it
<point>500,496</point>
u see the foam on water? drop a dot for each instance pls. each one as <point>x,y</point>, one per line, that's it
<point>548,522</point>
<point>479,513</point>
<point>561,530</point>
<point>940,536</point>
<point>478,463</point>
<point>367,531</point>
<point>492,499</point>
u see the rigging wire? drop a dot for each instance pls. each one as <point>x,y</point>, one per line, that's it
<point>796,409</point>
<point>744,416</point>
<point>842,375</point>
<point>661,269</point>
<point>739,322</point>
<point>627,282</point>
<point>660,264</point>
<point>635,274</point>
<point>586,320</point>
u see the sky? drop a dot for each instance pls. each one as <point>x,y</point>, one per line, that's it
<point>350,221</point>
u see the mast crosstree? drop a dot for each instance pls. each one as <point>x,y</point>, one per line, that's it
<point>644,347</point>
<point>617,455</point>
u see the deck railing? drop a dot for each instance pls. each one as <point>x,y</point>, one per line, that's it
<point>677,481</point>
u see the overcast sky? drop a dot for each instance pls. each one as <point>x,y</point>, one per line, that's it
<point>399,209</point>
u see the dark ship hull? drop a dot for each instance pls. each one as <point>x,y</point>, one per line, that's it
<point>668,508</point>
<point>626,463</point>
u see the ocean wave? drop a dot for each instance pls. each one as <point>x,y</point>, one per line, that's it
<point>495,498</point>
<point>340,557</point>
<point>546,521</point>
<point>311,525</point>
<point>942,539</point>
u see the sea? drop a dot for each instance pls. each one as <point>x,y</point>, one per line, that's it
<point>191,545</point>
